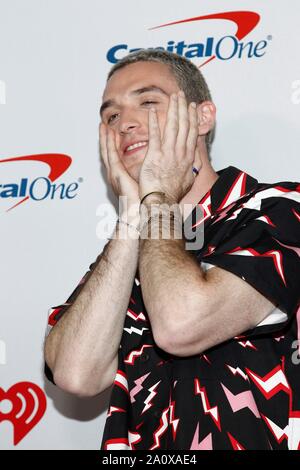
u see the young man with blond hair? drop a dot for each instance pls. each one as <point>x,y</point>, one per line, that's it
<point>197,342</point>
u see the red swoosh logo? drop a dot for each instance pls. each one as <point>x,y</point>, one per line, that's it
<point>244,20</point>
<point>58,163</point>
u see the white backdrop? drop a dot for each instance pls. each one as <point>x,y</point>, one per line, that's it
<point>53,65</point>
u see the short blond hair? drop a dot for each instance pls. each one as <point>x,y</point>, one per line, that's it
<point>187,75</point>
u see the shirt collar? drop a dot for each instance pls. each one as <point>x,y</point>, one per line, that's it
<point>231,185</point>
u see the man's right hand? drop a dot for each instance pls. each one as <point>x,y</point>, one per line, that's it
<point>118,177</point>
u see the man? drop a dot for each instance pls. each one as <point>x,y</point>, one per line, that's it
<point>198,344</point>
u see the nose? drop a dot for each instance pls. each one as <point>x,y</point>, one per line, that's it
<point>128,122</point>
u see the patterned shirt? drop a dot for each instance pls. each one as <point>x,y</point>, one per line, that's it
<point>245,392</point>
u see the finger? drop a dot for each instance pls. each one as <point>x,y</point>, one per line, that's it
<point>153,131</point>
<point>183,123</point>
<point>193,132</point>
<point>103,146</point>
<point>113,156</point>
<point>171,127</point>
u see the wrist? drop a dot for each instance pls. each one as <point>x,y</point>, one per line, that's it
<point>126,230</point>
<point>159,212</point>
<point>131,214</point>
<point>157,198</point>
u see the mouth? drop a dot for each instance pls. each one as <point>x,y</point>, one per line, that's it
<point>135,147</point>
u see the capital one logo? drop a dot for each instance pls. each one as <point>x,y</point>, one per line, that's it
<point>26,403</point>
<point>41,188</point>
<point>210,48</point>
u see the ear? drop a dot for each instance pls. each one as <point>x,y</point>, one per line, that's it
<point>206,117</point>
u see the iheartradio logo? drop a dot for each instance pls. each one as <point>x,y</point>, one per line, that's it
<point>27,403</point>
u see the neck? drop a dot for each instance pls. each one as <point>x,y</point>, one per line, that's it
<point>203,182</point>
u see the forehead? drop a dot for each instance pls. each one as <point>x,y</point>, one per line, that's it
<point>137,75</point>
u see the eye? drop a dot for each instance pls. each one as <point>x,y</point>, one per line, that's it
<point>111,118</point>
<point>149,102</point>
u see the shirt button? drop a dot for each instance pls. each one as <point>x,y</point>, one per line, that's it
<point>157,413</point>
<point>145,357</point>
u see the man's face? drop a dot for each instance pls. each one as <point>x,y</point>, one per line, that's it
<point>127,98</point>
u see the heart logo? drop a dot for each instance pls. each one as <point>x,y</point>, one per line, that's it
<point>29,404</point>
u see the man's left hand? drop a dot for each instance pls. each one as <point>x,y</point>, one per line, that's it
<point>167,166</point>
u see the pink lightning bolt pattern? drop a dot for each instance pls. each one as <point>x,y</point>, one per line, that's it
<point>243,394</point>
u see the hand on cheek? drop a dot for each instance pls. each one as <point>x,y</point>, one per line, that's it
<point>168,164</point>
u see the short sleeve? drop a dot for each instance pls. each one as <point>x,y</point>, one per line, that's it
<point>260,243</point>
<point>55,313</point>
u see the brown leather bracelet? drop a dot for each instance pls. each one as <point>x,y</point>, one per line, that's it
<point>144,197</point>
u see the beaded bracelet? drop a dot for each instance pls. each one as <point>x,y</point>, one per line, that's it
<point>119,221</point>
<point>129,225</point>
<point>141,228</point>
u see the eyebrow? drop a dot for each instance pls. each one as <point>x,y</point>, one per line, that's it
<point>139,91</point>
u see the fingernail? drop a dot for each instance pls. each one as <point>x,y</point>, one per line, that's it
<point>193,104</point>
<point>181,93</point>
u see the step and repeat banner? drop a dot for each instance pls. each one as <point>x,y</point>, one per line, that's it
<point>54,58</point>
